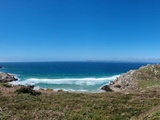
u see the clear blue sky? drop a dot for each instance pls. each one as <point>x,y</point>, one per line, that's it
<point>53,30</point>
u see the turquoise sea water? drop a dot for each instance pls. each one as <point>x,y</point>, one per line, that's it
<point>68,76</point>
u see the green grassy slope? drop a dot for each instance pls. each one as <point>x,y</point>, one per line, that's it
<point>76,106</point>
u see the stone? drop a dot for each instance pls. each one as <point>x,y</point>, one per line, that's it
<point>106,88</point>
<point>118,86</point>
<point>5,77</point>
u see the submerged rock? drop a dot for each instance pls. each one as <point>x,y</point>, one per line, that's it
<point>5,77</point>
<point>1,67</point>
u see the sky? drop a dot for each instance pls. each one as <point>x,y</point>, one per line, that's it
<point>79,30</point>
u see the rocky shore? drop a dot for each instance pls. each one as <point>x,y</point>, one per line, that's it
<point>23,102</point>
<point>5,77</point>
<point>144,77</point>
<point>133,80</point>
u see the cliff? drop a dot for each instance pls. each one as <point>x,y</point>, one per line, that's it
<point>144,77</point>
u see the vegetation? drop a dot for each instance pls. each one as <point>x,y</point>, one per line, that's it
<point>76,106</point>
<point>149,83</point>
<point>154,115</point>
<point>24,103</point>
<point>148,76</point>
<point>6,85</point>
<point>28,90</point>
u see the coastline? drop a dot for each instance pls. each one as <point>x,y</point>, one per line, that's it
<point>136,80</point>
<point>19,102</point>
<point>10,79</point>
<point>69,76</point>
<point>79,81</point>
<point>116,83</point>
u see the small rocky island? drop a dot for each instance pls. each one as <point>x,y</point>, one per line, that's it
<point>5,77</point>
<point>145,77</point>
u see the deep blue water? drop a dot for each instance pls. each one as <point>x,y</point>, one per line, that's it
<point>70,76</point>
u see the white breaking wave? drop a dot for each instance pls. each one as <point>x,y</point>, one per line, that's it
<point>70,90</point>
<point>66,81</point>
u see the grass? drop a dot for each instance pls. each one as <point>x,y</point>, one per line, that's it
<point>149,83</point>
<point>6,85</point>
<point>155,116</point>
<point>49,105</point>
<point>148,76</point>
<point>76,106</point>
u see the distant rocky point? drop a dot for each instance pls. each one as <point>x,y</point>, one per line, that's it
<point>5,77</point>
<point>145,77</point>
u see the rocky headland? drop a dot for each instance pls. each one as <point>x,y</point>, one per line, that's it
<point>5,77</point>
<point>144,77</point>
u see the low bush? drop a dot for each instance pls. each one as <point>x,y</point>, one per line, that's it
<point>28,90</point>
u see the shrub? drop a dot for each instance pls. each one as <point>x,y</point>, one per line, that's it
<point>28,90</point>
<point>60,90</point>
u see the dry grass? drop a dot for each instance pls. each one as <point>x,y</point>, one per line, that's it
<point>76,106</point>
<point>148,115</point>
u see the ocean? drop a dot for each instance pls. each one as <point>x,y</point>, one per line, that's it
<point>68,76</point>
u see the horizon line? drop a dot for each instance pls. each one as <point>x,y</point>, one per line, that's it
<point>136,61</point>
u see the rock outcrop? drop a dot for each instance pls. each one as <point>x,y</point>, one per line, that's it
<point>0,67</point>
<point>5,77</point>
<point>133,79</point>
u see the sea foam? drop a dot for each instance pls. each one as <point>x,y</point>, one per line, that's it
<point>66,81</point>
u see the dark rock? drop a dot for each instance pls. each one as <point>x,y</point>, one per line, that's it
<point>1,67</point>
<point>117,86</point>
<point>111,83</point>
<point>106,88</point>
<point>5,77</point>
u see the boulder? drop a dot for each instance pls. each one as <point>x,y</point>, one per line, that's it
<point>0,67</point>
<point>5,77</point>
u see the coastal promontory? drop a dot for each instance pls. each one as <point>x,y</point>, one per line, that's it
<point>5,77</point>
<point>140,79</point>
